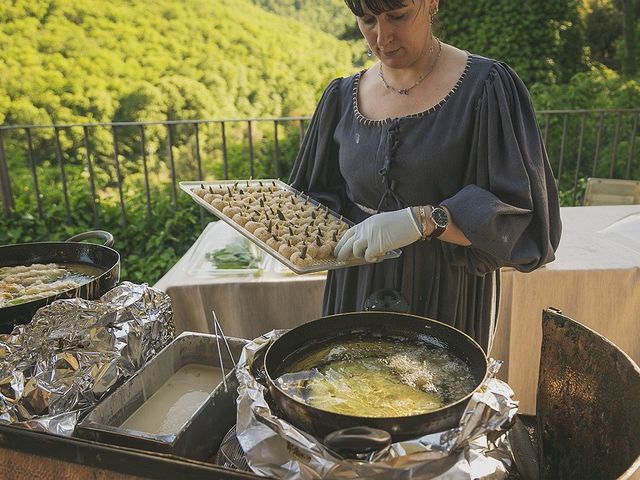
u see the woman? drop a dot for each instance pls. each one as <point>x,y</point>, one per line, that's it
<point>433,143</point>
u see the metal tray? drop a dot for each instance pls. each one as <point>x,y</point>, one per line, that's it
<point>201,436</point>
<point>317,265</point>
<point>42,455</point>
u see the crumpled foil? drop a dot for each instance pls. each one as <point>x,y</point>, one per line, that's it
<point>57,367</point>
<point>476,449</point>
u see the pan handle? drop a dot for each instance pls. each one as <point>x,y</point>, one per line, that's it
<point>352,441</point>
<point>103,235</point>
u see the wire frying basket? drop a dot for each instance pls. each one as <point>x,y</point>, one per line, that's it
<point>230,454</point>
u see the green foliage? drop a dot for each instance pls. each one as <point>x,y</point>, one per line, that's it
<point>331,16</point>
<point>268,162</point>
<point>144,257</point>
<point>541,40</point>
<point>147,257</point>
<point>599,87</point>
<point>91,60</point>
<point>603,29</point>
<point>599,145</point>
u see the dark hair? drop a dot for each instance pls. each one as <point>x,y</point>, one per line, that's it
<point>376,6</point>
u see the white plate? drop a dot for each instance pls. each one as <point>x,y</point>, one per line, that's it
<point>199,266</point>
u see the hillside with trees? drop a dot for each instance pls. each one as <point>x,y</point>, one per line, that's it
<point>331,16</point>
<point>91,60</point>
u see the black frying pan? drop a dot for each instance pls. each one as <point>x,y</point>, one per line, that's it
<point>294,344</point>
<point>71,251</point>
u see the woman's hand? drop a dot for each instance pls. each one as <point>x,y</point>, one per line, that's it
<point>377,235</point>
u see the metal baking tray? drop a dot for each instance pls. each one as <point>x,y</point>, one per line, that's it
<point>317,265</point>
<point>202,434</point>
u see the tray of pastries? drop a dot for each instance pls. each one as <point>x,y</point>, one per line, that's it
<point>292,227</point>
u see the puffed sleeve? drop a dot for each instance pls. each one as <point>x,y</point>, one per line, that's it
<point>510,211</point>
<point>316,169</point>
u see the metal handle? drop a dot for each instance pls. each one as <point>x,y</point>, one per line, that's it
<point>103,235</point>
<point>357,440</point>
<point>219,333</point>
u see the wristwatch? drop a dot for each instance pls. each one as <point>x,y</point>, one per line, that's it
<point>440,219</point>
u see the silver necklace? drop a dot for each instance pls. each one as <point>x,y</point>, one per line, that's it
<point>405,91</point>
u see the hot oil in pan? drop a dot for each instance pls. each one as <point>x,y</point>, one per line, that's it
<point>82,272</point>
<point>24,283</point>
<point>375,377</point>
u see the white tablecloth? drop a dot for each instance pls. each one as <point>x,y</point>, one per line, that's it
<point>246,304</point>
<point>595,279</point>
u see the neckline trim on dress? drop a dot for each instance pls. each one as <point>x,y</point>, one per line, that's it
<point>368,121</point>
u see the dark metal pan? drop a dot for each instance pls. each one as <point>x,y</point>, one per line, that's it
<point>73,250</point>
<point>295,344</point>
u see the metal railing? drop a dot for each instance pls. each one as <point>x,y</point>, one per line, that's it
<point>41,164</point>
<point>591,144</point>
<point>20,139</point>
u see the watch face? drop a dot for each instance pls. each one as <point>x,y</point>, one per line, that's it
<point>439,217</point>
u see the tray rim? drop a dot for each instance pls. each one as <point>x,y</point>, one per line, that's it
<point>62,450</point>
<point>187,186</point>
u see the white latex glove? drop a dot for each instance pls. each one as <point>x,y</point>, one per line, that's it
<point>377,235</point>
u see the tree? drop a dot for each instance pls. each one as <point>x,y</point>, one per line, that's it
<point>603,30</point>
<point>541,40</point>
<point>629,9</point>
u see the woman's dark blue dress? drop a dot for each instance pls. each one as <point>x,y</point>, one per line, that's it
<point>479,152</point>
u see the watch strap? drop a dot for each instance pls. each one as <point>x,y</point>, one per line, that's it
<point>437,232</point>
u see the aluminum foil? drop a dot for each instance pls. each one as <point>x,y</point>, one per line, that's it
<point>57,367</point>
<point>476,449</point>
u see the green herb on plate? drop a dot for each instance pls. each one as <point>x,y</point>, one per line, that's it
<point>234,256</point>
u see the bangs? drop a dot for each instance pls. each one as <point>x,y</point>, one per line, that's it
<point>375,6</point>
